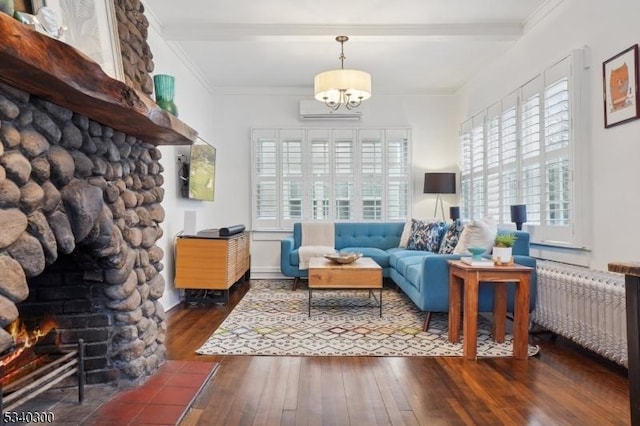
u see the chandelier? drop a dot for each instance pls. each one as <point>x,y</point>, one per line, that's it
<point>343,86</point>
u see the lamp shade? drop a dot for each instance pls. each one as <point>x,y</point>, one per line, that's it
<point>440,183</point>
<point>519,214</point>
<point>454,212</point>
<point>331,86</point>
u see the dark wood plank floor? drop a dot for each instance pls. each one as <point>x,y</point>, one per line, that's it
<point>563,385</point>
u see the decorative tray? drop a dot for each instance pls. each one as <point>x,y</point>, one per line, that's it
<point>343,257</point>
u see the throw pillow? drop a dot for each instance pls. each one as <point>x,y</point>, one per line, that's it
<point>406,232</point>
<point>425,235</point>
<point>480,233</point>
<point>451,237</point>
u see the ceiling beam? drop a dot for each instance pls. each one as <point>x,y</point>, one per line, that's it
<point>497,31</point>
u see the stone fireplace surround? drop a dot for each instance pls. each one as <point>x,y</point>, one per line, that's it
<point>80,203</point>
<point>71,186</point>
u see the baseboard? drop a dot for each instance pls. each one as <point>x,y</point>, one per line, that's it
<point>267,273</point>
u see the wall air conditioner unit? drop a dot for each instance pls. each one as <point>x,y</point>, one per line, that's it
<point>316,110</point>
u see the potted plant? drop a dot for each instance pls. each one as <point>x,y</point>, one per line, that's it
<point>503,247</point>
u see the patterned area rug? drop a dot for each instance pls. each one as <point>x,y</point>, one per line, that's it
<point>273,320</point>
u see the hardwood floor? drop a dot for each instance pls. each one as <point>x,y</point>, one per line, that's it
<point>563,385</point>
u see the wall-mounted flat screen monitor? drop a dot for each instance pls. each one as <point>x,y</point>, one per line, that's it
<point>202,171</point>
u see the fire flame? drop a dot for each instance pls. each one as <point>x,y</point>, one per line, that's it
<point>24,338</point>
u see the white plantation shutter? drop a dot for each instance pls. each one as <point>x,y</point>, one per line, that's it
<point>478,190</point>
<point>521,151</point>
<point>465,173</point>
<point>320,174</point>
<point>344,160</point>
<point>292,179</point>
<point>397,169</point>
<point>371,166</point>
<point>493,162</point>
<point>557,185</point>
<point>508,157</point>
<point>265,199</point>
<point>325,174</point>
<point>530,123</point>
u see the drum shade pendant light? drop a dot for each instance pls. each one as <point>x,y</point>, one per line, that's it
<point>342,86</point>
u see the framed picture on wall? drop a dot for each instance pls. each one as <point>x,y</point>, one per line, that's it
<point>620,87</point>
<point>91,27</point>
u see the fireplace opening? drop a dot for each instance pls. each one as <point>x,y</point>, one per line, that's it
<point>66,303</point>
<point>29,370</point>
<point>25,337</point>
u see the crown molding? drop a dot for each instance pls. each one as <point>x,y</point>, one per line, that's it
<point>189,31</point>
<point>156,25</point>
<point>540,14</point>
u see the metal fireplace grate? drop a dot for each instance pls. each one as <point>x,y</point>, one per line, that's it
<point>44,377</point>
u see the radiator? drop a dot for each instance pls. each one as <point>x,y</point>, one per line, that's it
<point>585,306</point>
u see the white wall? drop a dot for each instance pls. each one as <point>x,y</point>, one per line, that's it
<point>195,104</point>
<point>606,28</point>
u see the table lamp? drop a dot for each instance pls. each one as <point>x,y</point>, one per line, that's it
<point>519,215</point>
<point>454,213</point>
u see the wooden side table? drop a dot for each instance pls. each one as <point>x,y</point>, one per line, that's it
<point>463,277</point>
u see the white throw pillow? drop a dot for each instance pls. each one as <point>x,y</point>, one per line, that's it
<point>406,232</point>
<point>478,233</point>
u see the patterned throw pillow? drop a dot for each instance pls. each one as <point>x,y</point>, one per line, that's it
<point>451,237</point>
<point>425,235</point>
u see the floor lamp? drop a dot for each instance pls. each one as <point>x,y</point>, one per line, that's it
<point>439,183</point>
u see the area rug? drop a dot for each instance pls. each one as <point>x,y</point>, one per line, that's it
<point>273,320</point>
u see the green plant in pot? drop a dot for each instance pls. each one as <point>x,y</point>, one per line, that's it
<point>503,247</point>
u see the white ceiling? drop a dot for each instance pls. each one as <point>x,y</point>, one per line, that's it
<point>431,46</point>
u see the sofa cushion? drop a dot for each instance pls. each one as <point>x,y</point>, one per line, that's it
<point>381,257</point>
<point>480,233</point>
<point>405,263</point>
<point>413,274</point>
<point>382,235</point>
<point>398,253</point>
<point>451,237</point>
<point>425,235</point>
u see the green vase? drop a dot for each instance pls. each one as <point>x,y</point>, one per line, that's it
<point>165,90</point>
<point>7,7</point>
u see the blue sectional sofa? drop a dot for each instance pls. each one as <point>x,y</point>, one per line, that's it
<point>422,275</point>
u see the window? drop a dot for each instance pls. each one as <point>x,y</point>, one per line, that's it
<point>324,174</point>
<point>521,151</point>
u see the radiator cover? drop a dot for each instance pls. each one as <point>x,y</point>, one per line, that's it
<point>583,305</point>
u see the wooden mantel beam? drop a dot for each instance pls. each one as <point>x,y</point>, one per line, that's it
<point>61,74</point>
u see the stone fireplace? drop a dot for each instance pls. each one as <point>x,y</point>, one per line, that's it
<point>71,187</point>
<point>80,204</point>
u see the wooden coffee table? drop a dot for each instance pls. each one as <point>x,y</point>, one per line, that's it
<point>363,274</point>
<point>466,279</point>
